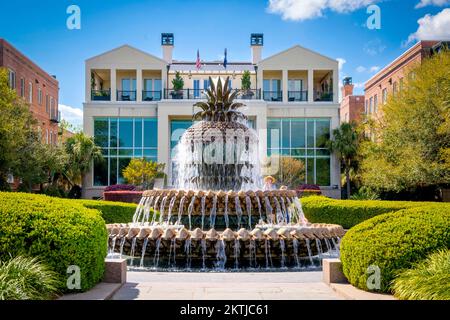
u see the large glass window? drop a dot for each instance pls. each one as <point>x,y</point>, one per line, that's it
<point>305,140</point>
<point>122,139</point>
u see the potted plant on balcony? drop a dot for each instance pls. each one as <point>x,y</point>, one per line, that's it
<point>177,84</point>
<point>246,84</point>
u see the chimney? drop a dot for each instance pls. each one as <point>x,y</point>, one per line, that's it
<point>347,89</point>
<point>167,46</point>
<point>256,43</point>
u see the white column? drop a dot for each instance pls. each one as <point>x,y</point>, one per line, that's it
<point>164,141</point>
<point>310,85</point>
<point>284,85</point>
<point>88,93</point>
<point>335,86</point>
<point>164,83</point>
<point>139,85</point>
<point>113,85</point>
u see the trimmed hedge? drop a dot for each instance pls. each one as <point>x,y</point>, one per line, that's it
<point>59,232</point>
<point>112,212</point>
<point>349,213</point>
<point>394,241</point>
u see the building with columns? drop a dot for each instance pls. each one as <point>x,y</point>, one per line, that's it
<point>132,109</point>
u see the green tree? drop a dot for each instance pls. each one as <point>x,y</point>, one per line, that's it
<point>411,140</point>
<point>143,173</point>
<point>345,144</point>
<point>291,173</point>
<point>16,127</point>
<point>178,82</point>
<point>245,80</point>
<point>82,151</point>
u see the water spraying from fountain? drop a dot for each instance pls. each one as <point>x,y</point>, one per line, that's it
<point>219,186</point>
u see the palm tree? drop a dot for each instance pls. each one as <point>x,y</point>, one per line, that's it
<point>220,105</point>
<point>345,145</point>
<point>81,150</point>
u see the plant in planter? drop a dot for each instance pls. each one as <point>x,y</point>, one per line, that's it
<point>246,85</point>
<point>178,84</point>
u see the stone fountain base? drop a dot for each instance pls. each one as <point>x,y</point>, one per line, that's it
<point>174,247</point>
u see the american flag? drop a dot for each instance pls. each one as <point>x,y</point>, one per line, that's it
<point>198,64</point>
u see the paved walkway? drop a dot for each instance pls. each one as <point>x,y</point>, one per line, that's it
<point>225,286</point>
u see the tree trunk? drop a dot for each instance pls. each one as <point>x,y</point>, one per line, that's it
<point>347,180</point>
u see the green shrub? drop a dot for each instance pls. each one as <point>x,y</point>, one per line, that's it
<point>112,212</point>
<point>349,213</point>
<point>23,278</point>
<point>427,280</point>
<point>394,241</point>
<point>59,232</point>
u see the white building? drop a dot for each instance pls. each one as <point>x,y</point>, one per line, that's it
<point>133,111</point>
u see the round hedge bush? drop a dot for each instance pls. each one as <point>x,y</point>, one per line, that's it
<point>59,232</point>
<point>394,241</point>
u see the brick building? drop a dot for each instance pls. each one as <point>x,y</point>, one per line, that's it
<point>36,87</point>
<point>352,107</point>
<point>390,79</point>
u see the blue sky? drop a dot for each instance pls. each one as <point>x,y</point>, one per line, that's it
<point>335,28</point>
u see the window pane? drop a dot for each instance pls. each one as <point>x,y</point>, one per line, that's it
<point>150,133</point>
<point>266,85</point>
<point>101,172</point>
<point>323,172</point>
<point>151,153</point>
<point>310,170</point>
<point>112,171</point>
<point>298,133</point>
<point>286,134</point>
<point>138,133</point>
<point>148,85</point>
<point>113,133</point>
<point>310,133</point>
<point>157,85</point>
<point>126,84</point>
<point>101,132</point>
<point>125,133</point>
<point>322,133</point>
<point>123,163</point>
<point>273,131</point>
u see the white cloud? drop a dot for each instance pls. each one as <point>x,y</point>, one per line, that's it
<point>341,61</point>
<point>432,27</point>
<point>374,47</point>
<point>439,3</point>
<point>298,10</point>
<point>361,69</point>
<point>72,115</point>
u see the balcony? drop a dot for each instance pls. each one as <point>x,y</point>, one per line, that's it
<point>194,94</point>
<point>151,95</point>
<point>325,96</point>
<point>297,96</point>
<point>101,95</point>
<point>126,95</point>
<point>274,96</point>
<point>55,117</point>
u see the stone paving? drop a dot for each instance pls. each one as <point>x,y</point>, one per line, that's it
<point>225,286</point>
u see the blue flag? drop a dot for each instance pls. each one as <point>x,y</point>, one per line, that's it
<point>225,59</point>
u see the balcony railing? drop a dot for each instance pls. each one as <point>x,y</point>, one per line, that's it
<point>101,95</point>
<point>273,96</point>
<point>55,117</point>
<point>126,95</point>
<point>251,94</point>
<point>151,95</point>
<point>296,96</point>
<point>323,96</point>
